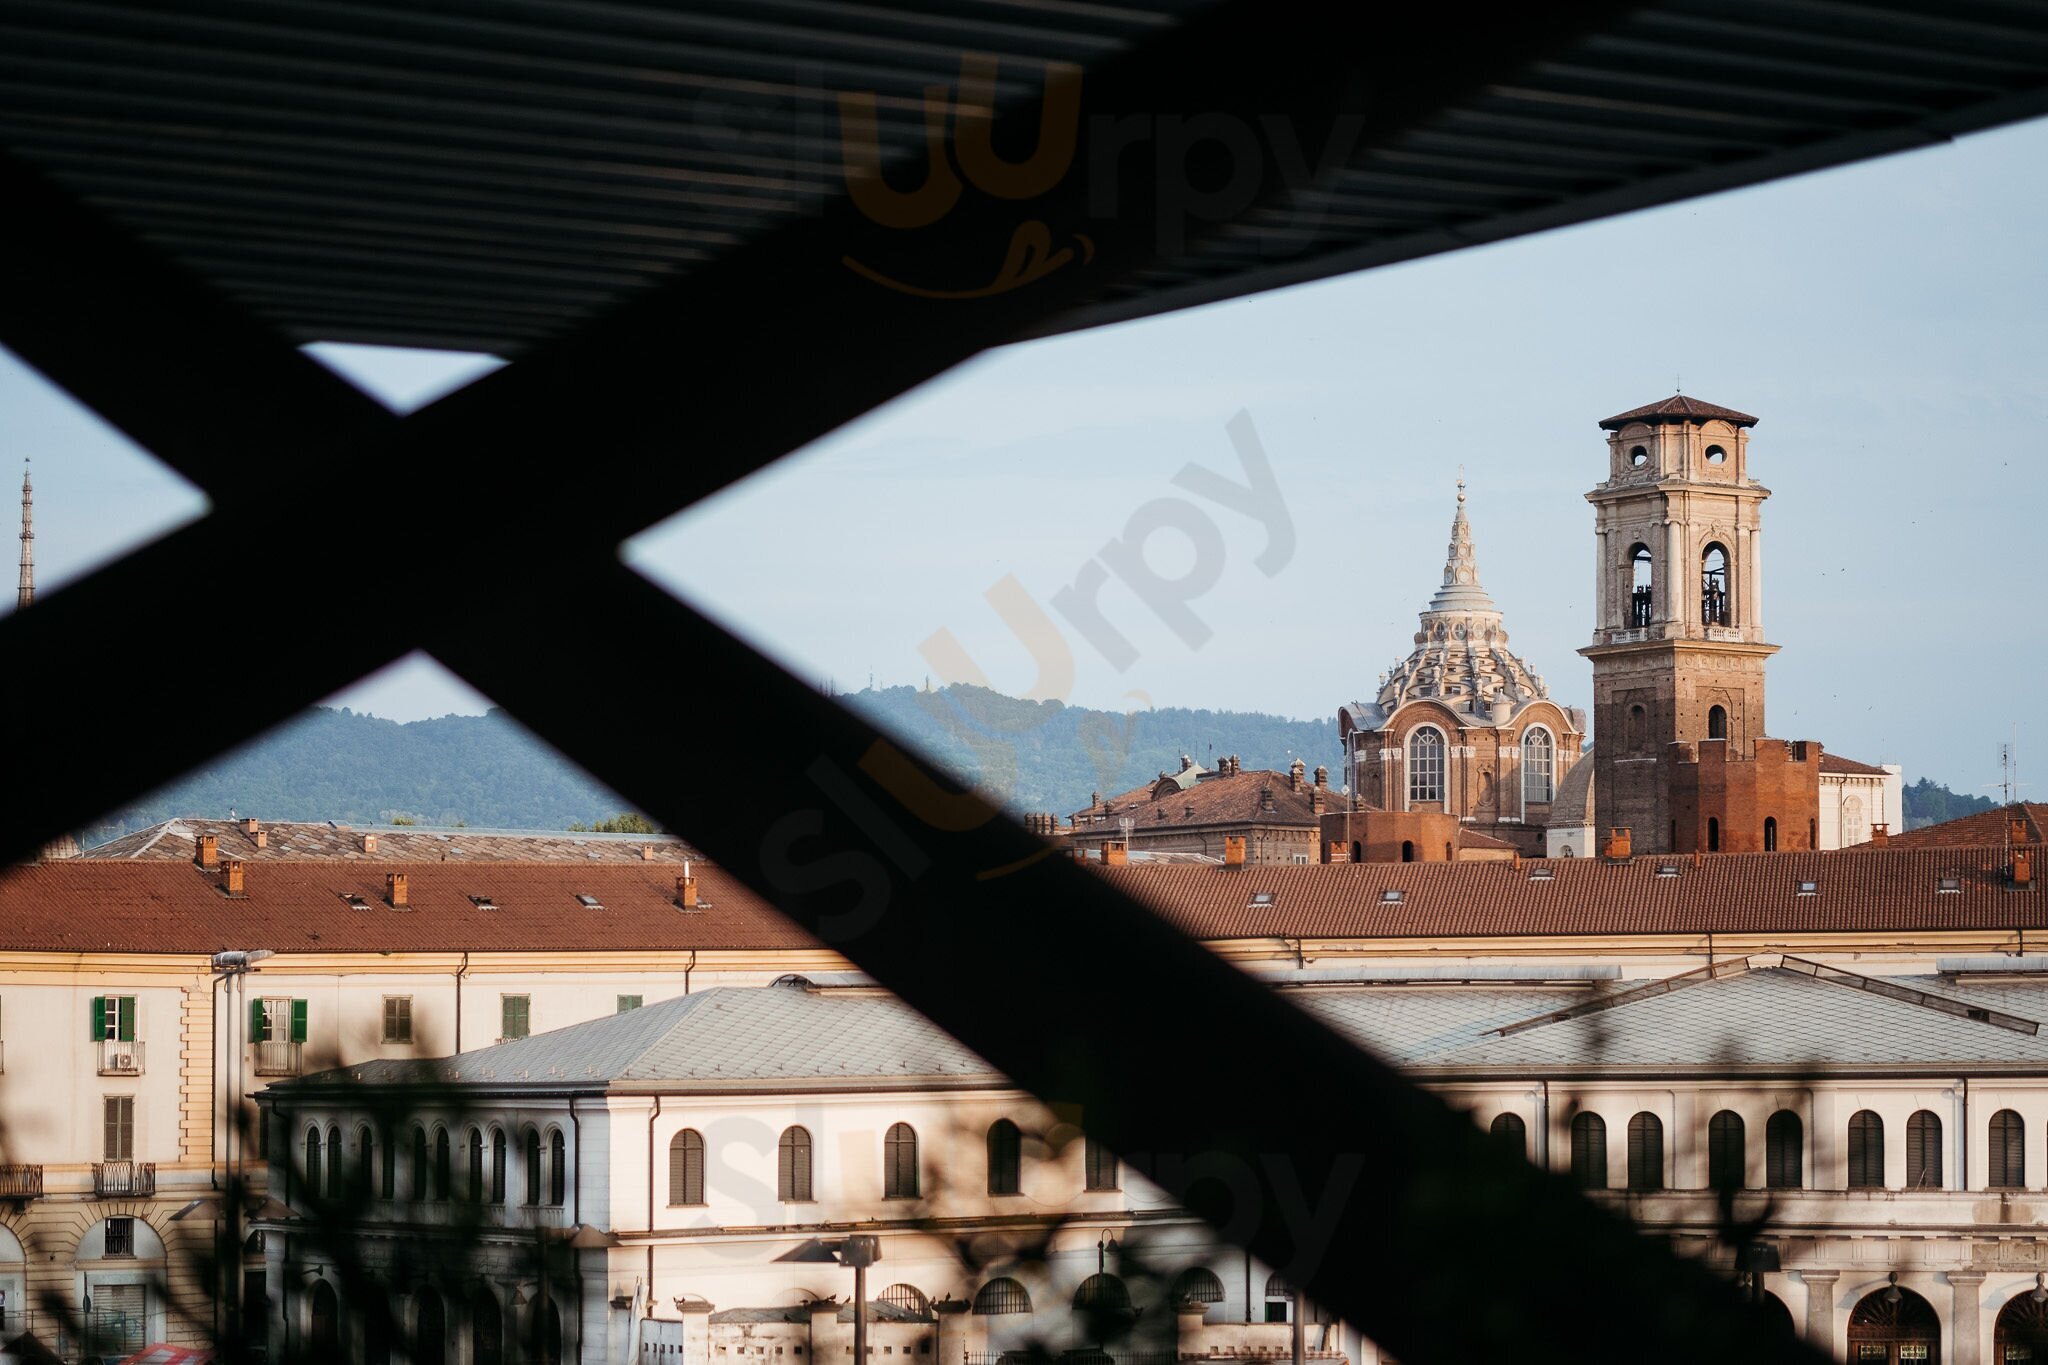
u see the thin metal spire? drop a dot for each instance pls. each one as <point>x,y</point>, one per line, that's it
<point>28,540</point>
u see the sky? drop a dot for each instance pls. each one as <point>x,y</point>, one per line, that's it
<point>1887,322</point>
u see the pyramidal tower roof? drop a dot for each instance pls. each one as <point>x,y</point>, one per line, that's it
<point>1678,408</point>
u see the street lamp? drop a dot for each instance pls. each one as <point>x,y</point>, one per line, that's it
<point>860,1252</point>
<point>231,967</point>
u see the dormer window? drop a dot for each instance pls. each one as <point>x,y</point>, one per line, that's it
<point>1949,886</point>
<point>1809,888</point>
<point>484,902</point>
<point>1391,897</point>
<point>1667,871</point>
<point>589,902</point>
<point>355,902</point>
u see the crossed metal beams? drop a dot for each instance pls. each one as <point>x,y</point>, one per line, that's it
<point>1388,1207</point>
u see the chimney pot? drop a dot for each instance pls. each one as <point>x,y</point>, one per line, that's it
<point>395,891</point>
<point>369,843</point>
<point>686,892</point>
<point>232,879</point>
<point>206,851</point>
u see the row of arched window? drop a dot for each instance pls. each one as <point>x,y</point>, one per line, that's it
<point>1106,1293</point>
<point>428,1341</point>
<point>901,1177</point>
<point>430,1169</point>
<point>1784,1150</point>
<point>1427,750</point>
<point>1716,598</point>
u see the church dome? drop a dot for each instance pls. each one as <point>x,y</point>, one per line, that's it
<point>1461,655</point>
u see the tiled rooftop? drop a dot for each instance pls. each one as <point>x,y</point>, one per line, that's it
<point>298,840</point>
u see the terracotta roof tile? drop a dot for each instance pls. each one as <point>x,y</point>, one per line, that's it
<point>1986,827</point>
<point>298,840</point>
<point>1212,801</point>
<point>1680,406</point>
<point>1835,763</point>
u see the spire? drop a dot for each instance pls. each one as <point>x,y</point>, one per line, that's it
<point>28,541</point>
<point>1461,591</point>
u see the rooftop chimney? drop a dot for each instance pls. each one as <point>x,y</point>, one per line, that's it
<point>395,890</point>
<point>2016,830</point>
<point>1115,853</point>
<point>261,838</point>
<point>1295,770</point>
<point>250,824</point>
<point>647,853</point>
<point>1617,844</point>
<point>1880,835</point>
<point>686,891</point>
<point>206,851</point>
<point>2022,867</point>
<point>1322,776</point>
<point>369,843</point>
<point>1233,850</point>
<point>232,880</point>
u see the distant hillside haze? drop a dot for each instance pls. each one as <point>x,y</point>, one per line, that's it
<point>489,772</point>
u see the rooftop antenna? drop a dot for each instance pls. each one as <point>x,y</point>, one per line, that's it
<point>27,593</point>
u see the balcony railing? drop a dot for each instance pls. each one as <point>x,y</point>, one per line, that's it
<point>279,1058</point>
<point>462,1213</point>
<point>19,1181</point>
<point>116,1179</point>
<point>120,1057</point>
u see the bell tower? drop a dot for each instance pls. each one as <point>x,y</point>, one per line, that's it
<point>1678,645</point>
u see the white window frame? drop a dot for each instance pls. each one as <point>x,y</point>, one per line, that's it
<point>1550,767</point>
<point>1443,768</point>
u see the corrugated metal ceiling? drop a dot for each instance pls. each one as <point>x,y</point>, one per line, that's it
<point>481,174</point>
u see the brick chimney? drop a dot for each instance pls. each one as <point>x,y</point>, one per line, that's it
<point>1880,835</point>
<point>206,851</point>
<point>1233,850</point>
<point>1617,849</point>
<point>1295,772</point>
<point>395,891</point>
<point>260,838</point>
<point>1315,800</point>
<point>232,880</point>
<point>250,824</point>
<point>686,890</point>
<point>369,843</point>
<point>2022,867</point>
<point>2016,830</point>
<point>1115,853</point>
<point>1322,777</point>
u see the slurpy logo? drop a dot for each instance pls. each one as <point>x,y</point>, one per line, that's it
<point>970,120</point>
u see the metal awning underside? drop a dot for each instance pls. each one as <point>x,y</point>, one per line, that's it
<point>483,174</point>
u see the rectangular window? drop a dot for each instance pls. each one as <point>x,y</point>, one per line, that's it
<point>628,1002</point>
<point>113,1016</point>
<point>397,1018</point>
<point>120,1237</point>
<point>277,1019</point>
<point>516,1015</point>
<point>119,1144</point>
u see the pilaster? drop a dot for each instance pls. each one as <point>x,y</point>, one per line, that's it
<point>1966,1317</point>
<point>1820,1309</point>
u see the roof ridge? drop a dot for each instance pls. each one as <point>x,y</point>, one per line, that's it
<point>1661,986</point>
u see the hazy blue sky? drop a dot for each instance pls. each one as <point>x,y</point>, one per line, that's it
<point>1887,322</point>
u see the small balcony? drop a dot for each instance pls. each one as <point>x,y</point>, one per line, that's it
<point>120,1057</point>
<point>123,1179</point>
<point>20,1181</point>
<point>279,1058</point>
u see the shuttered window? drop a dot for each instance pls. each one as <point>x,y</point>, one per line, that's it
<point>1923,1151</point>
<point>558,1167</point>
<point>1784,1151</point>
<point>793,1166</point>
<point>686,1168</point>
<point>113,1016</point>
<point>532,1155</point>
<point>1866,1151</point>
<point>119,1136</point>
<point>335,1171</point>
<point>1589,1152</point>
<point>1510,1132</point>
<point>444,1165</point>
<point>313,1162</point>
<point>277,1020</point>
<point>2007,1169</point>
<point>473,1158</point>
<point>1005,1158</point>
<point>515,1015</point>
<point>497,1165</point>
<point>1727,1158</point>
<point>899,1162</point>
<point>1100,1165</point>
<point>1646,1152</point>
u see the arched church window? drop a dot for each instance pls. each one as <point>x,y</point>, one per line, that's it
<point>1538,766</point>
<point>1426,765</point>
<point>1717,722</point>
<point>1714,600</point>
<point>1642,597</point>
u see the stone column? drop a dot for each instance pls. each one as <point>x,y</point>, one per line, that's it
<point>1967,1347</point>
<point>1674,575</point>
<point>1756,580</point>
<point>1820,1308</point>
<point>1603,572</point>
<point>1738,582</point>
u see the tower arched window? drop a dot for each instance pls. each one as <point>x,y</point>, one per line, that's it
<point>1716,605</point>
<point>1005,1158</point>
<point>1784,1151</point>
<point>530,1154</point>
<point>1589,1151</point>
<point>498,1155</point>
<point>1539,766</point>
<point>1866,1151</point>
<point>1426,765</point>
<point>1642,593</point>
<point>558,1167</point>
<point>444,1165</point>
<point>473,1158</point>
<point>1770,834</point>
<point>365,1179</point>
<point>1646,1152</point>
<point>1638,727</point>
<point>686,1168</point>
<point>1717,722</point>
<point>313,1162</point>
<point>793,1166</point>
<point>419,1164</point>
<point>335,1173</point>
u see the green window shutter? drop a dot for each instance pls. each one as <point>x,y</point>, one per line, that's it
<point>99,1018</point>
<point>256,1021</point>
<point>298,1021</point>
<point>125,1022</point>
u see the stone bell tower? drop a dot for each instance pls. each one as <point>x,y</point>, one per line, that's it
<point>1678,646</point>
